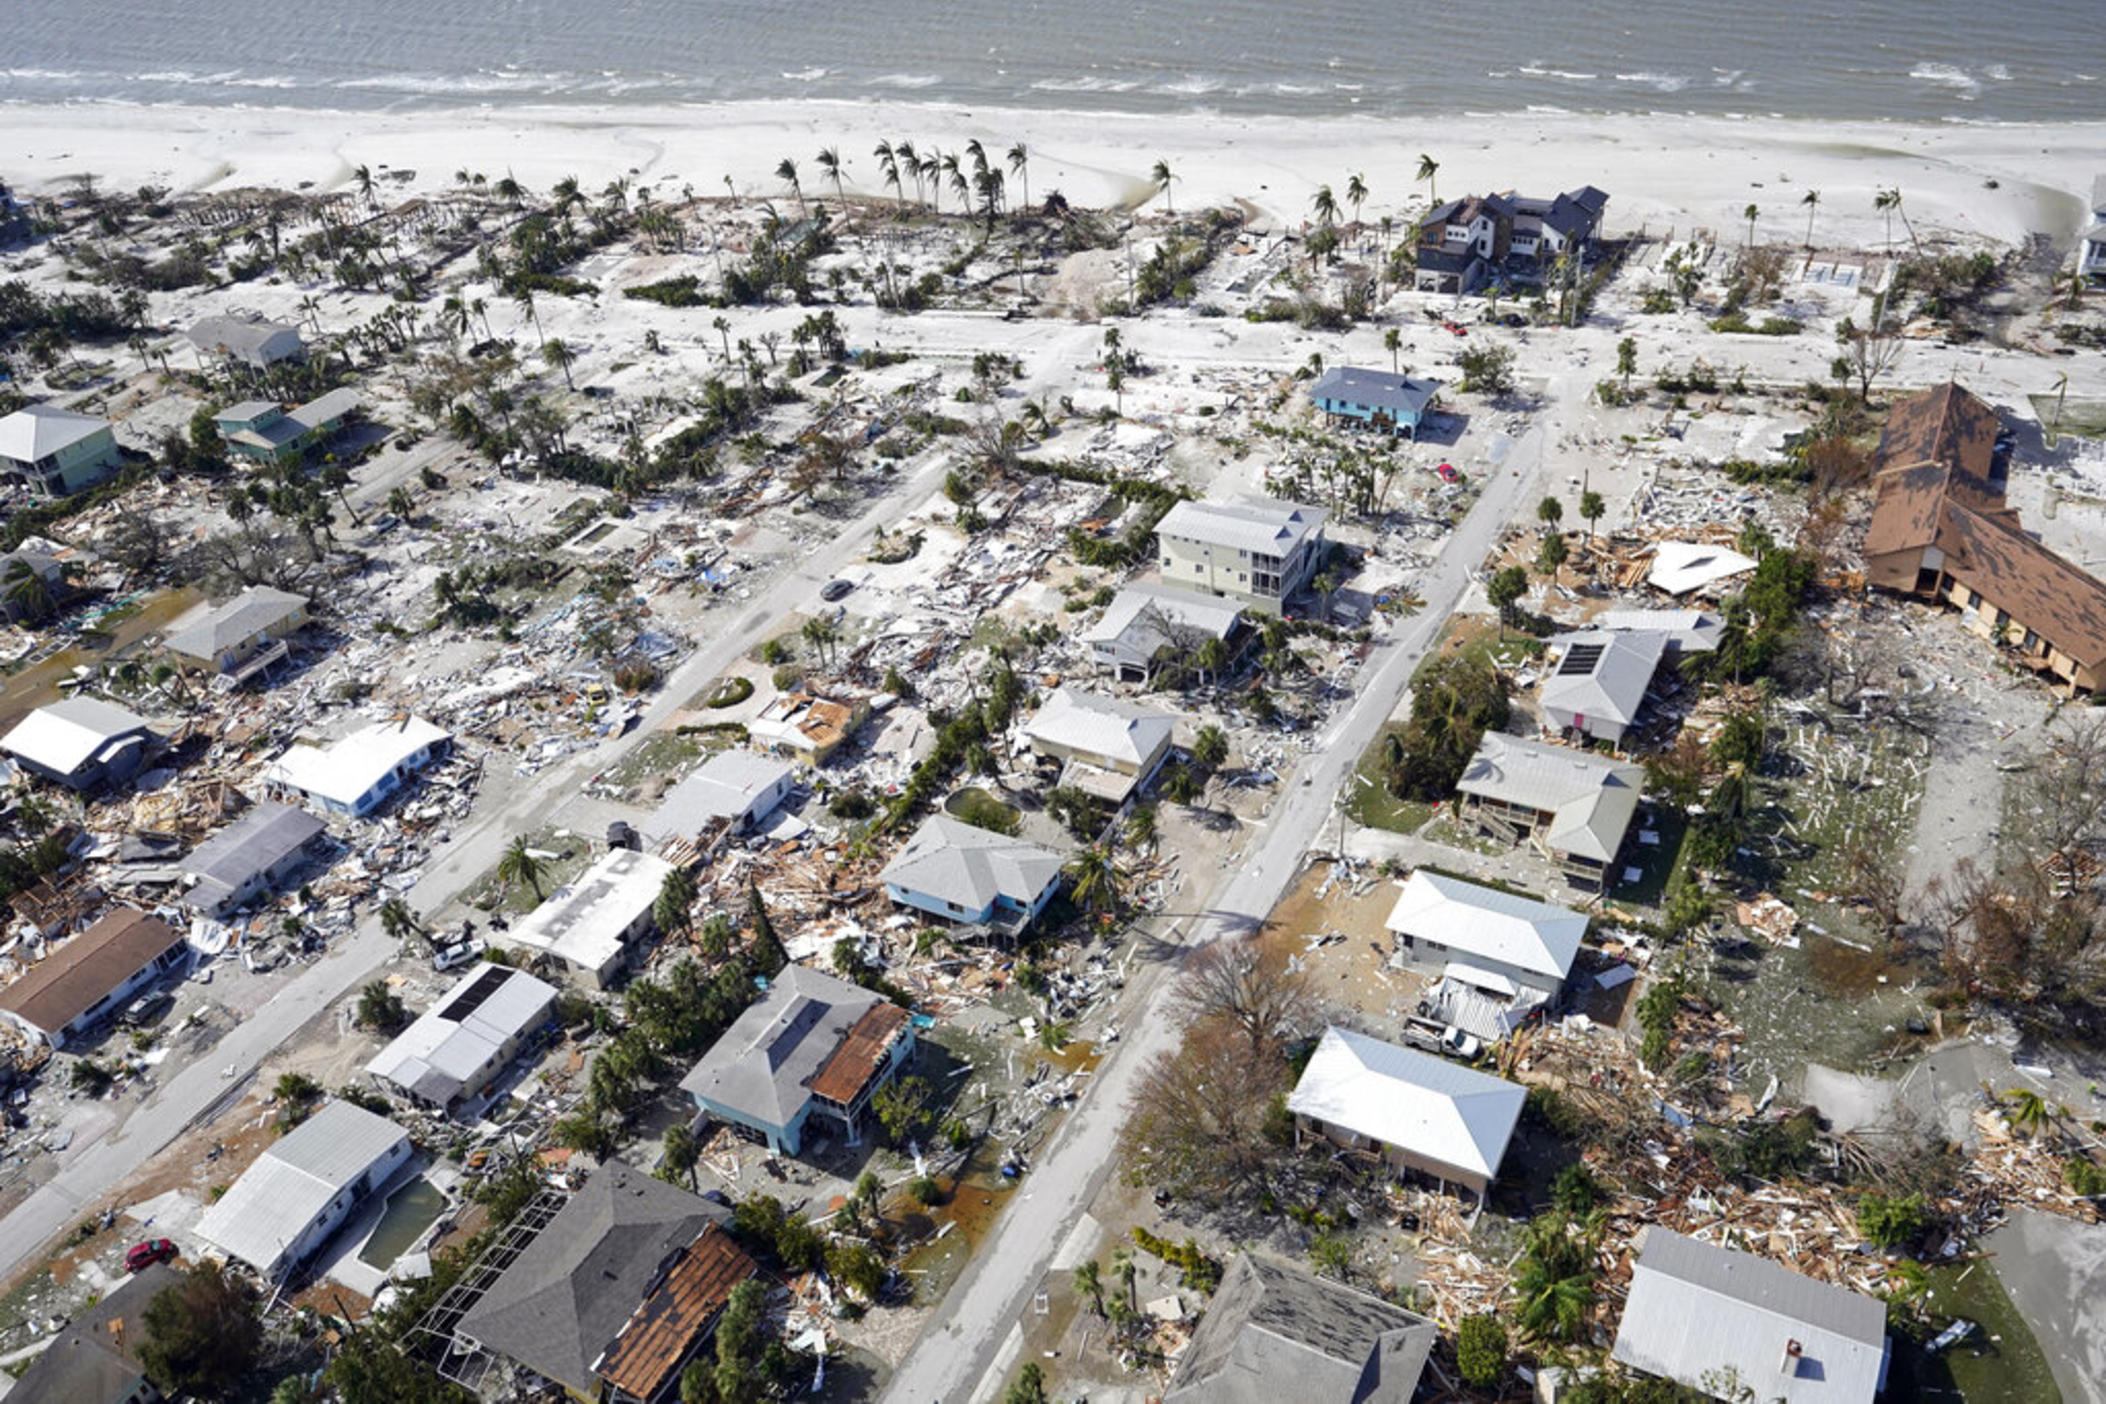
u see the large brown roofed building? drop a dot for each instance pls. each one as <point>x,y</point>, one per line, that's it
<point>86,977</point>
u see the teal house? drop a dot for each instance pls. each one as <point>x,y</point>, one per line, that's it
<point>265,432</point>
<point>1394,404</point>
<point>57,451</point>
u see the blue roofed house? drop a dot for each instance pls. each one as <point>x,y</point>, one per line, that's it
<point>974,876</point>
<point>266,432</point>
<point>1374,399</point>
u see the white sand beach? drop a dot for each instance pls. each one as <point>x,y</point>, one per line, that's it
<point>1661,171</point>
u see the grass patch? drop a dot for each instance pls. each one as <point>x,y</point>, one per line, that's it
<point>1369,802</point>
<point>1999,1364</point>
<point>1657,864</point>
<point>490,895</point>
<point>661,753</point>
<point>983,811</point>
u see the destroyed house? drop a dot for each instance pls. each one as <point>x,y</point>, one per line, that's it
<point>304,1187</point>
<point>1107,748</point>
<point>243,636</point>
<point>1697,1313</point>
<point>1374,399</point>
<point>1275,1333</point>
<point>457,1048</point>
<point>1574,807</point>
<point>84,979</point>
<point>735,788</point>
<point>972,876</point>
<point>1599,683</point>
<point>812,1045</point>
<point>253,856</point>
<point>1258,553</point>
<point>94,1359</point>
<point>359,773</point>
<point>595,924</point>
<point>1146,624</point>
<point>1940,531</point>
<point>806,727</point>
<point>616,1294</point>
<point>80,743</point>
<point>1413,1112</point>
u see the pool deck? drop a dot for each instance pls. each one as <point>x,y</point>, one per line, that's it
<point>339,1260</point>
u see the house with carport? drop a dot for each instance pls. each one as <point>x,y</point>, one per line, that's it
<point>1107,748</point>
<point>1572,806</point>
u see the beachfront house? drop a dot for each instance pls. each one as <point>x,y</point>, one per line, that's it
<point>1147,627</point>
<point>1374,399</point>
<point>735,789</point>
<point>303,1187</point>
<point>458,1047</point>
<point>1462,244</point>
<point>94,1358</point>
<point>595,924</point>
<point>256,855</point>
<point>1257,553</point>
<point>1274,1333</point>
<point>354,776</point>
<point>1107,748</point>
<point>264,431</point>
<point>812,1045</point>
<point>1411,1111</point>
<point>610,1297</point>
<point>80,743</point>
<point>1940,531</point>
<point>972,876</point>
<point>1573,807</point>
<point>1600,681</point>
<point>84,979</point>
<point>241,637</point>
<point>2091,249</point>
<point>1698,1314</point>
<point>56,451</point>
<point>246,341</point>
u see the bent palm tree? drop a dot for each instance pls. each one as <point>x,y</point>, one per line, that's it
<point>787,172</point>
<point>1094,877</point>
<point>1020,167</point>
<point>1428,169</point>
<point>830,162</point>
<point>560,357</point>
<point>1326,206</point>
<point>1163,176</point>
<point>518,864</point>
<point>1812,200</point>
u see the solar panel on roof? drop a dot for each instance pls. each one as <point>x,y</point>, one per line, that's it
<point>471,999</point>
<point>1581,659</point>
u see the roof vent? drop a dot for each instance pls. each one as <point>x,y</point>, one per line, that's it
<point>1792,1351</point>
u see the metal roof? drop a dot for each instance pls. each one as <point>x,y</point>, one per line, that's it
<point>1604,675</point>
<point>1590,799</point>
<point>448,1049</point>
<point>724,787</point>
<point>252,611</point>
<point>1274,1334</point>
<point>1375,389</point>
<point>1144,618</point>
<point>764,1064</point>
<point>1695,1309</point>
<point>583,922</point>
<point>64,736</point>
<point>1262,527</point>
<point>1100,726</point>
<point>255,843</point>
<point>1687,630</point>
<point>952,861</point>
<point>346,770</point>
<point>1437,1110</point>
<point>1486,922</point>
<point>36,432</point>
<point>1682,566</point>
<point>249,339</point>
<point>291,1184</point>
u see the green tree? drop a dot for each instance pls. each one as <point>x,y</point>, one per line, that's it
<point>1504,590</point>
<point>1210,746</point>
<point>1093,879</point>
<point>28,597</point>
<point>1892,1223</point>
<point>1812,201</point>
<point>559,356</point>
<point>1030,1386</point>
<point>1627,360</point>
<point>1550,512</point>
<point>673,911</point>
<point>1393,342</point>
<point>518,864</point>
<point>1554,1280</point>
<point>768,953</point>
<point>1164,178</point>
<point>397,921</point>
<point>1480,1350</point>
<point>202,1334</point>
<point>1551,555</point>
<point>680,1152</point>
<point>1089,1280</point>
<point>368,1369</point>
<point>1428,169</point>
<point>1591,510</point>
<point>380,1007</point>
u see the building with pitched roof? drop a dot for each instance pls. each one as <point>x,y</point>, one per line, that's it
<point>303,1187</point>
<point>1462,243</point>
<point>1599,683</point>
<point>1412,1111</point>
<point>86,978</point>
<point>1698,1314</point>
<point>596,923</point>
<point>57,451</point>
<point>1374,399</point>
<point>358,773</point>
<point>242,636</point>
<point>248,341</point>
<point>80,742</point>
<point>1146,624</point>
<point>1686,630</point>
<point>454,1050</point>
<point>954,870</point>
<point>1257,553</point>
<point>94,1359</point>
<point>807,727</point>
<point>1107,747</point>
<point>812,1045</point>
<point>264,431</point>
<point>1572,806</point>
<point>1275,1333</point>
<point>1439,919</point>
<point>616,1293</point>
<point>1940,531</point>
<point>255,855</point>
<point>737,788</point>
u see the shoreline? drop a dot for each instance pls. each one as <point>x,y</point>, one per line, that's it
<point>1659,170</point>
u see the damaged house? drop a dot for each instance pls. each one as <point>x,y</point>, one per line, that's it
<point>1574,807</point>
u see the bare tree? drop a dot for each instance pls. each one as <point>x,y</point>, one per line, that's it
<point>1207,1121</point>
<point>1256,989</point>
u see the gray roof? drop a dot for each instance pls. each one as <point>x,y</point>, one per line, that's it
<point>724,787</point>
<point>764,1063</point>
<point>2098,196</point>
<point>1275,1335</point>
<point>563,1301</point>
<point>1264,527</point>
<point>1576,211</point>
<point>1376,389</point>
<point>249,339</point>
<point>248,409</point>
<point>38,431</point>
<point>1144,618</point>
<point>253,610</point>
<point>448,1049</point>
<point>290,1185</point>
<point>1590,799</point>
<point>64,736</point>
<point>952,861</point>
<point>256,842</point>
<point>1695,1308</point>
<point>1687,630</point>
<point>1605,675</point>
<point>87,1363</point>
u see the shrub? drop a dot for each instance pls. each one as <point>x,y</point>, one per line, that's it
<point>925,1189</point>
<point>2086,1177</point>
<point>1892,1223</point>
<point>1575,1190</point>
<point>1480,1350</point>
<point>730,692</point>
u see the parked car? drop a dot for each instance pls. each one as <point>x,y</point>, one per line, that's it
<point>1447,473</point>
<point>148,1008</point>
<point>1457,328</point>
<point>836,589</point>
<point>455,956</point>
<point>141,1256</point>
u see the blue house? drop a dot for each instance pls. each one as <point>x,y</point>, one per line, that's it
<point>953,870</point>
<point>813,1045</point>
<point>1373,399</point>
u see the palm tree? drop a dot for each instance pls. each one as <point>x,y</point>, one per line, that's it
<point>1094,877</point>
<point>1551,1307</point>
<point>560,357</point>
<point>1749,214</point>
<point>1212,657</point>
<point>524,300</point>
<point>1812,200</point>
<point>1326,206</point>
<point>1592,508</point>
<point>681,1151</point>
<point>787,172</point>
<point>1393,342</point>
<point>1428,169</point>
<point>909,163</point>
<point>28,597</point>
<point>401,503</point>
<point>518,864</point>
<point>1356,194</point>
<point>1886,202</point>
<point>888,170</point>
<point>1163,177</point>
<point>1907,228</point>
<point>397,921</point>
<point>1627,359</point>
<point>363,179</point>
<point>830,162</point>
<point>2025,1109</point>
<point>1020,167</point>
<point>1089,1279</point>
<point>961,183</point>
<point>674,909</point>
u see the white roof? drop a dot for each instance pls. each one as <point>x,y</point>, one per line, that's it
<point>583,923</point>
<point>724,787</point>
<point>1682,566</point>
<point>291,1183</point>
<point>38,431</point>
<point>1488,923</point>
<point>1261,526</point>
<point>1430,1107</point>
<point>1144,617</point>
<point>1590,799</point>
<point>344,770</point>
<point>450,1045</point>
<point>953,861</point>
<point>65,736</point>
<point>1604,675</point>
<point>1099,726</point>
<point>248,338</point>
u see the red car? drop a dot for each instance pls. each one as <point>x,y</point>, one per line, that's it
<point>1458,328</point>
<point>1447,472</point>
<point>141,1256</point>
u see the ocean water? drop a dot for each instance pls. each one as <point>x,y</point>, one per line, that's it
<point>1909,60</point>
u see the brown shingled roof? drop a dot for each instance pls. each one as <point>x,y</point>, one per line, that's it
<point>666,1327</point>
<point>80,971</point>
<point>1989,553</point>
<point>844,1074</point>
<point>1938,446</point>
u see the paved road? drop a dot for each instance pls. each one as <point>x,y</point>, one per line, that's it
<point>953,1357</point>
